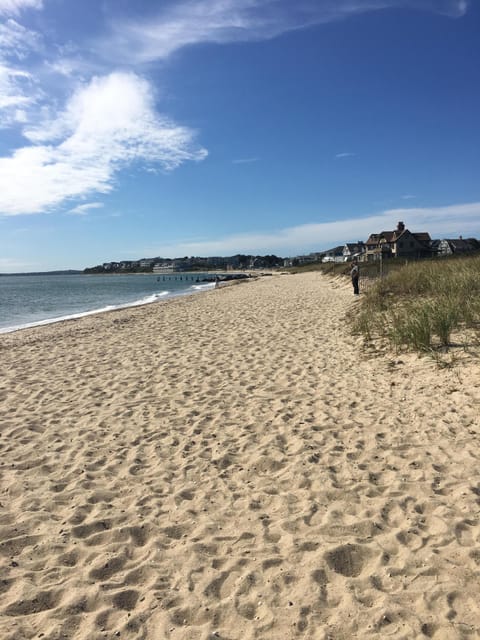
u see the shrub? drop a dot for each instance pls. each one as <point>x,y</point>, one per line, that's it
<point>420,305</point>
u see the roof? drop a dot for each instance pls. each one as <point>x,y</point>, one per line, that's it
<point>423,236</point>
<point>393,236</point>
<point>389,236</point>
<point>459,244</point>
<point>375,238</point>
<point>354,246</point>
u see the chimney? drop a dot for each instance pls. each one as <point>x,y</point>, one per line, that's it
<point>400,228</point>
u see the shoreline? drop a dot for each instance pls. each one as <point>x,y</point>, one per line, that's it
<point>141,302</point>
<point>234,465</point>
<point>195,289</point>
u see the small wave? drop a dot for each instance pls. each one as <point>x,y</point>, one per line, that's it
<point>152,298</point>
<point>72,316</point>
<point>147,300</point>
<point>155,297</point>
<point>203,287</point>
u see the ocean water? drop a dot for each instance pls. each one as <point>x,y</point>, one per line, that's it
<point>31,300</point>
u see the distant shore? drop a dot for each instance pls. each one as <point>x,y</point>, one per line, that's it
<point>235,465</point>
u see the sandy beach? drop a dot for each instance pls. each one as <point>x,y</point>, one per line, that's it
<point>235,465</point>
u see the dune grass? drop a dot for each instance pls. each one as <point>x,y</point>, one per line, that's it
<point>423,304</point>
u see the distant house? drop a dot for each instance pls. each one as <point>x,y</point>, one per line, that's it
<point>303,259</point>
<point>110,266</point>
<point>400,243</point>
<point>333,255</point>
<point>409,244</point>
<point>353,250</point>
<point>125,265</point>
<point>180,265</point>
<point>316,256</point>
<point>378,245</point>
<point>163,267</point>
<point>310,258</point>
<point>450,246</point>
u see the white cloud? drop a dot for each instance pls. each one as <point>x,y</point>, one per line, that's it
<point>83,209</point>
<point>16,40</point>
<point>408,196</point>
<point>220,21</point>
<point>107,124</point>
<point>448,221</point>
<point>12,87</point>
<point>18,90</point>
<point>345,154</point>
<point>13,7</point>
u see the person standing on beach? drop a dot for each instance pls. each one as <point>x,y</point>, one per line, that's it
<point>355,274</point>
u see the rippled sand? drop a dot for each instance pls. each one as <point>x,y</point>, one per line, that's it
<point>233,465</point>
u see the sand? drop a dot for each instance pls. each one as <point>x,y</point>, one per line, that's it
<point>234,465</point>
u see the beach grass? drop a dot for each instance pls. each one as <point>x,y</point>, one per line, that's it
<point>424,306</point>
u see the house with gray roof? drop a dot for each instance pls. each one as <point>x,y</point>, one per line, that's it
<point>399,243</point>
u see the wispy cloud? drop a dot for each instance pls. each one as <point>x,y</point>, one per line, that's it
<point>13,7</point>
<point>18,89</point>
<point>12,88</point>
<point>345,154</point>
<point>445,221</point>
<point>83,209</point>
<point>16,41</point>
<point>192,22</point>
<point>408,196</point>
<point>107,124</point>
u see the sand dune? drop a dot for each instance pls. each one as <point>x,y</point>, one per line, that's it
<point>233,465</point>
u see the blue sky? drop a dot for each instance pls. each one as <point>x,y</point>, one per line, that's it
<point>146,128</point>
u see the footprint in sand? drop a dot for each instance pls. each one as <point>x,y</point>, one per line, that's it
<point>349,560</point>
<point>126,600</point>
<point>463,533</point>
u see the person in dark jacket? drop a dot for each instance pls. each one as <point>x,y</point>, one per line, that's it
<point>355,274</point>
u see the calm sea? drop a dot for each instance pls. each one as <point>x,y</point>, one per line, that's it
<point>27,301</point>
